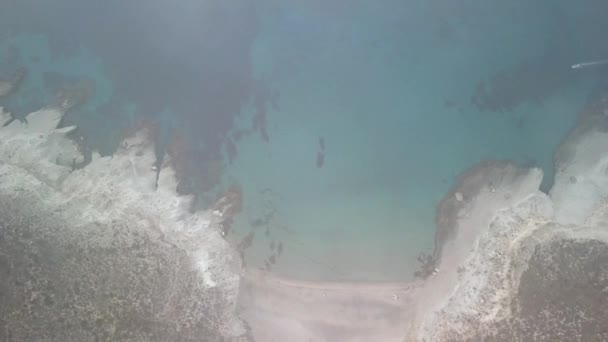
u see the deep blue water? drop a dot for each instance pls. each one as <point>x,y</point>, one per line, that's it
<point>350,120</point>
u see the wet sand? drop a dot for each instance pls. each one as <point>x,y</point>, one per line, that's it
<point>287,310</point>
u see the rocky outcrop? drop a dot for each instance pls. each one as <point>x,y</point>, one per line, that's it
<point>104,253</point>
<point>10,84</point>
<point>518,265</point>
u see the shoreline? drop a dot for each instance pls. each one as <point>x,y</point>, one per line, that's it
<point>489,226</point>
<point>270,278</point>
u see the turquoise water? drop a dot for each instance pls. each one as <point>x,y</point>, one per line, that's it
<point>33,52</point>
<point>388,87</point>
<point>47,73</point>
<point>375,87</point>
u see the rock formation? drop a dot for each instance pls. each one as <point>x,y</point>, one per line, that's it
<point>519,265</point>
<point>101,253</point>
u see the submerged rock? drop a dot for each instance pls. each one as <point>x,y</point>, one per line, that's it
<point>526,267</point>
<point>10,84</point>
<point>74,95</point>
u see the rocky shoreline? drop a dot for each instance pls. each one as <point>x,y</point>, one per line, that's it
<point>105,252</point>
<point>110,251</point>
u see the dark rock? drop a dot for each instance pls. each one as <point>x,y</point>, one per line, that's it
<point>59,285</point>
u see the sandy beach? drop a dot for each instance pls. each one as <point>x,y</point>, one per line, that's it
<point>283,309</point>
<point>494,227</point>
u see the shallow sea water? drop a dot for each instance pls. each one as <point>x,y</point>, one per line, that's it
<point>391,98</point>
<point>384,90</point>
